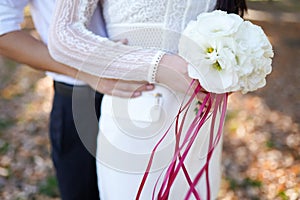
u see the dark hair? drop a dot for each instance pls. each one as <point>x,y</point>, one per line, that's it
<point>232,6</point>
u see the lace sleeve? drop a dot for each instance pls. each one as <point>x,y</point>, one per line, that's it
<point>71,43</point>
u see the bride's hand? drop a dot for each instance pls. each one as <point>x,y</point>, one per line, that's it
<point>172,72</point>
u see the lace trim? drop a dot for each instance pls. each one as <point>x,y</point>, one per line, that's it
<point>154,67</point>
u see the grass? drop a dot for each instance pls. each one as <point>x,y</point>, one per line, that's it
<point>246,183</point>
<point>251,183</point>
<point>270,144</point>
<point>283,195</point>
<point>5,123</point>
<point>4,147</point>
<point>49,187</point>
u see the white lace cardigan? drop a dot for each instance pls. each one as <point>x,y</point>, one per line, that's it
<point>151,26</point>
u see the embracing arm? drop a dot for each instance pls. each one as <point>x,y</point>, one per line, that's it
<point>22,47</point>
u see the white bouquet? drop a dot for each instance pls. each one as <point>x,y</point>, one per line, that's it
<point>226,53</point>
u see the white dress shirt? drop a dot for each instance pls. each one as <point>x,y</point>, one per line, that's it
<point>11,16</point>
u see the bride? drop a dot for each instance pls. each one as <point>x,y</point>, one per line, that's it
<point>130,128</point>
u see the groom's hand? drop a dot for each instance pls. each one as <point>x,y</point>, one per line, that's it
<point>121,88</point>
<point>115,87</point>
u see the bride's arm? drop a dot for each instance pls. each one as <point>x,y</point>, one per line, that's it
<point>71,43</point>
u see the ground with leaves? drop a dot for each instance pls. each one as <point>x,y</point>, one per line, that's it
<point>261,154</point>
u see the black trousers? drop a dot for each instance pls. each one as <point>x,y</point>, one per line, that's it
<point>73,132</point>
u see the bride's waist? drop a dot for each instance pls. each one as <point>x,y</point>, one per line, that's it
<point>142,34</point>
<point>116,29</point>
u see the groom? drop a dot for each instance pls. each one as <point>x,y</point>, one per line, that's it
<point>74,163</point>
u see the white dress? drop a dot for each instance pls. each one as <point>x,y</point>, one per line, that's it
<point>130,128</point>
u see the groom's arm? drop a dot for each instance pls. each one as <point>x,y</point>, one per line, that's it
<point>24,48</point>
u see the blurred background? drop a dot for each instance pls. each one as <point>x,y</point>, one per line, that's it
<point>261,154</point>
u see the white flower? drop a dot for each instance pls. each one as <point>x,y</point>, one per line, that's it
<point>216,61</point>
<point>215,81</point>
<point>214,56</point>
<point>254,53</point>
<point>217,23</point>
<point>251,37</point>
<point>225,53</point>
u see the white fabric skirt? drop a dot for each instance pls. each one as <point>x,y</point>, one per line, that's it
<point>129,130</point>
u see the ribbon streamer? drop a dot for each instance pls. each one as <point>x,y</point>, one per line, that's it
<point>209,108</point>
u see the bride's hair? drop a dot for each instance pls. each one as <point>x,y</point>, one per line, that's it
<point>232,6</point>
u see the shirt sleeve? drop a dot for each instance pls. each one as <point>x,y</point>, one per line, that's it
<point>71,43</point>
<point>11,15</point>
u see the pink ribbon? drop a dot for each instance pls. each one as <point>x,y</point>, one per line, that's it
<point>212,102</point>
